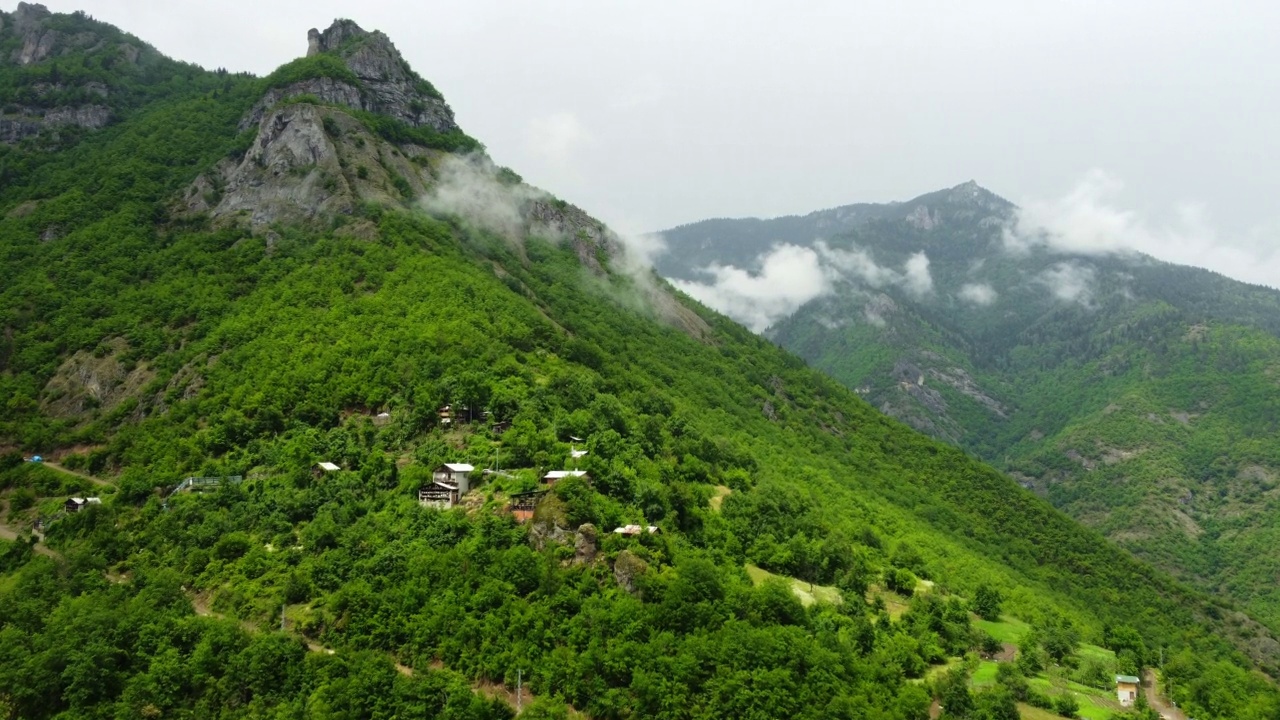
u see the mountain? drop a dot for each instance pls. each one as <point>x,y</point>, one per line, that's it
<point>1138,396</point>
<point>236,284</point>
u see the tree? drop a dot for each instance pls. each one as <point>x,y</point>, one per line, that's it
<point>996,703</point>
<point>987,601</point>
<point>953,694</point>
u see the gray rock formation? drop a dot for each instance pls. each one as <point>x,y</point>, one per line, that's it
<point>585,544</point>
<point>628,569</point>
<point>92,117</point>
<point>29,121</point>
<point>386,83</point>
<point>297,171</point>
<point>39,42</point>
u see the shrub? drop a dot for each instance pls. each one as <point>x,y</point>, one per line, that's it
<point>1066,705</point>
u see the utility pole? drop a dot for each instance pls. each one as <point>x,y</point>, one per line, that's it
<point>519,691</point>
<point>282,608</point>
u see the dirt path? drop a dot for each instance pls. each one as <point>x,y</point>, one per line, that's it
<point>96,481</point>
<point>8,532</point>
<point>1157,701</point>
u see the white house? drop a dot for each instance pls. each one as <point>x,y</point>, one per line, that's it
<point>555,476</point>
<point>457,474</point>
<point>1127,690</point>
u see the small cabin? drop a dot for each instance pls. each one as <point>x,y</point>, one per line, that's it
<point>555,476</point>
<point>75,504</point>
<point>457,474</point>
<point>446,415</point>
<point>634,530</point>
<point>439,495</point>
<point>524,504</point>
<point>1127,690</point>
<point>323,468</point>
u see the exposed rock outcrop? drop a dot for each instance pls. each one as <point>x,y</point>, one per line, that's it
<point>308,162</point>
<point>386,83</point>
<point>29,122</point>
<point>628,569</point>
<point>94,379</point>
<point>586,544</point>
<point>40,42</point>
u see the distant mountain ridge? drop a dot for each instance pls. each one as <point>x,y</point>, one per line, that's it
<point>1137,395</point>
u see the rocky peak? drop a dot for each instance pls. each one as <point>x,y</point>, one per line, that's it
<point>971,193</point>
<point>386,84</point>
<point>332,39</point>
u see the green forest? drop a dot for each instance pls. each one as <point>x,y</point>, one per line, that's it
<point>144,344</point>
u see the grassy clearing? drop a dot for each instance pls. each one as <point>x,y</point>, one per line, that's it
<point>1006,630</point>
<point>985,674</point>
<point>1098,654</point>
<point>1031,712</point>
<point>721,492</point>
<point>807,592</point>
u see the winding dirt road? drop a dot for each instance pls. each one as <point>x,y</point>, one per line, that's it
<point>1157,701</point>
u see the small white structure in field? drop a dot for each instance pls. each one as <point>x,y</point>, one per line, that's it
<point>633,530</point>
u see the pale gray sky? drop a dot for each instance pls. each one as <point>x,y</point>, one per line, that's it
<point>1159,115</point>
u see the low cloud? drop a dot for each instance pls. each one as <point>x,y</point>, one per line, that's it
<point>1089,221</point>
<point>1069,282</point>
<point>791,276</point>
<point>916,280</point>
<point>980,294</point>
<point>468,187</point>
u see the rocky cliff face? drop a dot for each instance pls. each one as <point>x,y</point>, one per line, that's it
<point>386,84</point>
<point>308,162</point>
<point>39,40</point>
<point>29,121</point>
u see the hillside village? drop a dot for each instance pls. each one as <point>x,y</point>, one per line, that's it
<point>1073,679</point>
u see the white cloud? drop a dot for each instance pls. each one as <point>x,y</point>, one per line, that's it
<point>468,187</point>
<point>856,263</point>
<point>1070,282</point>
<point>980,294</point>
<point>789,277</point>
<point>1088,221</point>
<point>916,280</point>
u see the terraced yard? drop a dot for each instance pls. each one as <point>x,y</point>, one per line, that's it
<point>807,592</point>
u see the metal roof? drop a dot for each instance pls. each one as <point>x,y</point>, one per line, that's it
<point>1127,679</point>
<point>328,466</point>
<point>459,467</point>
<point>560,474</point>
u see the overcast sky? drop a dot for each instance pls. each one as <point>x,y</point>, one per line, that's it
<point>1160,116</point>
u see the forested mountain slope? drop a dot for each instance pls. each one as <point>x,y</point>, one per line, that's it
<point>1143,398</point>
<point>240,278</point>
